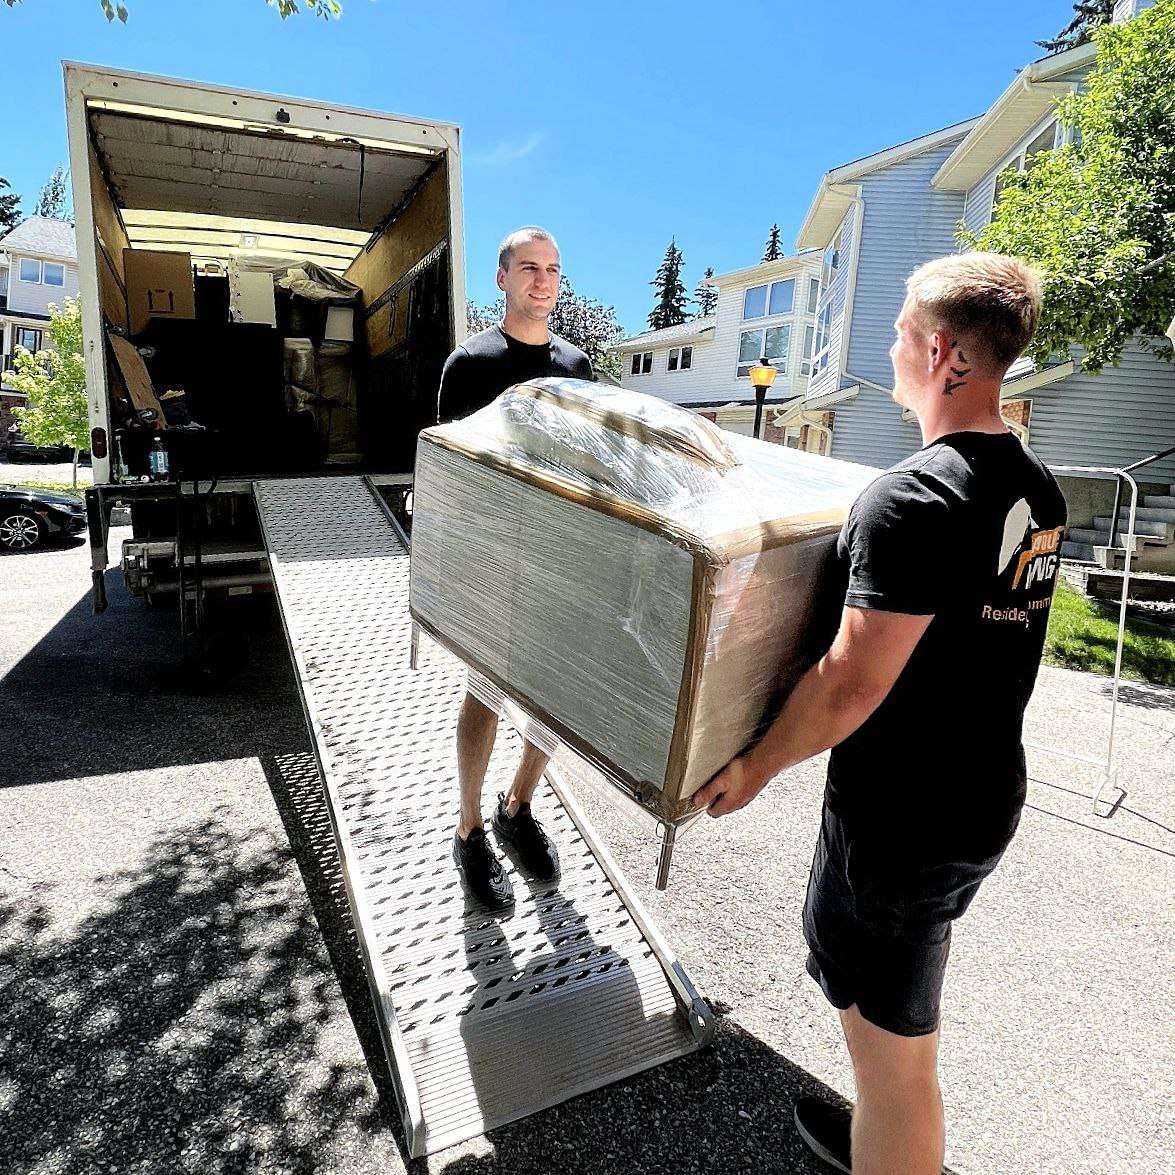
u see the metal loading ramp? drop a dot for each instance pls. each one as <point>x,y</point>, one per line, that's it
<point>484,1019</point>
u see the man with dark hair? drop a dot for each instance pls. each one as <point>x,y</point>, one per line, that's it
<point>951,559</point>
<point>519,348</point>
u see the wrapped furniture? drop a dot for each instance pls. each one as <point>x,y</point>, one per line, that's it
<point>645,584</point>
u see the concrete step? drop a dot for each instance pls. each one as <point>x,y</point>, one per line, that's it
<point>1083,551</point>
<point>1159,530</point>
<point>1163,501</point>
<point>1150,514</point>
<point>1088,534</point>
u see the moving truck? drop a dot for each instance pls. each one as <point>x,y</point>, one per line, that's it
<point>269,287</point>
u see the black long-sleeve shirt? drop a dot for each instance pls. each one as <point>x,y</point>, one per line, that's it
<point>491,361</point>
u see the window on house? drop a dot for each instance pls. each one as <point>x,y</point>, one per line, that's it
<point>636,363</point>
<point>674,355</point>
<point>755,302</point>
<point>771,341</point>
<point>54,274</point>
<point>823,337</point>
<point>831,259</point>
<point>680,358</point>
<point>687,358</point>
<point>28,337</point>
<point>776,298</point>
<point>813,294</point>
<point>782,296</point>
<point>809,340</point>
<point>30,269</point>
<point>646,362</point>
<point>1046,140</point>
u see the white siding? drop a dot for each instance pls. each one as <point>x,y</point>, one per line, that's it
<point>712,376</point>
<point>34,297</point>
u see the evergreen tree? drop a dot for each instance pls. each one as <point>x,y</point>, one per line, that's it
<point>1087,16</point>
<point>706,296</point>
<point>669,308</point>
<point>54,201</point>
<point>773,250</point>
<point>9,207</point>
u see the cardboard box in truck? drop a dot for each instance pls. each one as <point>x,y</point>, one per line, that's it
<point>158,285</point>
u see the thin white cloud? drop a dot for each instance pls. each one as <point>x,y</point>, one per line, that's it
<point>509,151</point>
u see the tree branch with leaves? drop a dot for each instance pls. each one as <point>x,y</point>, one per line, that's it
<point>53,381</point>
<point>1097,215</point>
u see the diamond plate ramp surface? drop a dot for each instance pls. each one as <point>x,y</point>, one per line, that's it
<point>485,1019</point>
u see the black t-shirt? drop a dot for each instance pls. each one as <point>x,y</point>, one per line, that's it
<point>491,361</point>
<point>968,530</point>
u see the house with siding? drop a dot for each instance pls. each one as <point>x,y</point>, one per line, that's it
<point>38,266</point>
<point>878,218</point>
<point>765,309</point>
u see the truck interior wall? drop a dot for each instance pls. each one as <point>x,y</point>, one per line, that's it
<point>111,241</point>
<point>404,273</point>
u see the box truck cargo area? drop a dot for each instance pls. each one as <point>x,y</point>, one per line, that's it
<point>269,287</point>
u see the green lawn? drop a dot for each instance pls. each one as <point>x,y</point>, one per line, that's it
<point>1080,636</point>
<point>60,487</point>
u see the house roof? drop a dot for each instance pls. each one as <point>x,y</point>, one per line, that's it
<point>1033,93</point>
<point>808,261</point>
<point>691,331</point>
<point>838,187</point>
<point>44,237</point>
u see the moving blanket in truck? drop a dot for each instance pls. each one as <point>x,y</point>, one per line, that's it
<point>645,584</point>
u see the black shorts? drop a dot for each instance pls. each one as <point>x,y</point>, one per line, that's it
<point>866,946</point>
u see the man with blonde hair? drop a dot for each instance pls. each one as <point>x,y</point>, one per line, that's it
<point>518,348</point>
<point>951,558</point>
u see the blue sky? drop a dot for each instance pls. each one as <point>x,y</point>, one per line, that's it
<point>615,125</point>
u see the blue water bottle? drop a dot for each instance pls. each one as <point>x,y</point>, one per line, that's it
<point>157,459</point>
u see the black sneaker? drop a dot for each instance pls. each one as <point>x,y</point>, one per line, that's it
<point>526,841</point>
<point>481,871</point>
<point>825,1128</point>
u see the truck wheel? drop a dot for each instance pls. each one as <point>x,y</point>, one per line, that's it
<point>20,531</point>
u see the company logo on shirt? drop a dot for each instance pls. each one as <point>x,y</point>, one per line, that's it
<point>1028,562</point>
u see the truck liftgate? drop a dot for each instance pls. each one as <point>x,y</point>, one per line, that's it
<point>484,1018</point>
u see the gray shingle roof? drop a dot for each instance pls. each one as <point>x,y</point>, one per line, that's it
<point>39,234</point>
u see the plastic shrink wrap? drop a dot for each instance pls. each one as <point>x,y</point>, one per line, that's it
<point>645,584</point>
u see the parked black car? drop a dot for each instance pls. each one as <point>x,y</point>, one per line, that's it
<point>29,518</point>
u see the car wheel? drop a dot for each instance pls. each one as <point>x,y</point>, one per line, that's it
<point>20,531</point>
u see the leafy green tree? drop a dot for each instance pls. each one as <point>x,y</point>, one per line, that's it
<point>54,380</point>
<point>1097,215</point>
<point>669,308</point>
<point>1087,16</point>
<point>9,207</point>
<point>773,250</point>
<point>54,200</point>
<point>706,296</point>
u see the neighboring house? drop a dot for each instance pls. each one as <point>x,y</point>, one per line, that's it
<point>768,309</point>
<point>38,266</point>
<point>880,217</point>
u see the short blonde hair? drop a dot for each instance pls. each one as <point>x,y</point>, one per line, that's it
<point>987,299</point>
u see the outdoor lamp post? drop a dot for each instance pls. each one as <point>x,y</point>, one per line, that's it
<point>762,377</point>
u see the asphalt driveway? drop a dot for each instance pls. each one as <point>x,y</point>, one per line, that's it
<point>182,989</point>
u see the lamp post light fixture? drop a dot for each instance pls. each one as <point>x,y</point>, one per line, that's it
<point>762,377</point>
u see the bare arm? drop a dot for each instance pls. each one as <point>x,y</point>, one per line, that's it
<point>830,701</point>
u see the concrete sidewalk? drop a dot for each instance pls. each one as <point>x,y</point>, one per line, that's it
<point>182,990</point>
